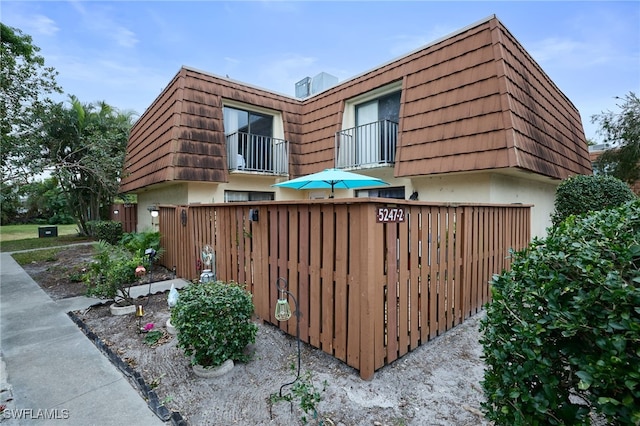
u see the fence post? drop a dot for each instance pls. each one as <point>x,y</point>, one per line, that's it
<point>260,258</point>
<point>465,237</point>
<point>371,240</point>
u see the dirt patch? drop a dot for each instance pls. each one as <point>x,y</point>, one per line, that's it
<point>437,384</point>
<point>61,276</point>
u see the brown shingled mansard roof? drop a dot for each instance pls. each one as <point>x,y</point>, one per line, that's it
<point>474,100</point>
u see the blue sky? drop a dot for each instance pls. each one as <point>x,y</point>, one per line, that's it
<point>126,52</point>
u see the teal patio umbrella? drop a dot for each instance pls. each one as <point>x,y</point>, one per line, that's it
<point>332,179</point>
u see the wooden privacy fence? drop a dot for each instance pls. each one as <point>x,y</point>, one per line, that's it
<point>374,279</point>
<point>127,214</point>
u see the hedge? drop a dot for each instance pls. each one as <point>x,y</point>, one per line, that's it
<point>561,337</point>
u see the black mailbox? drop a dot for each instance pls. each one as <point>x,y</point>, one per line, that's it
<point>47,231</point>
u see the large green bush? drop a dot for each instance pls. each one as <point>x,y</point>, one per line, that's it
<point>214,323</point>
<point>562,334</point>
<point>107,230</point>
<point>581,194</point>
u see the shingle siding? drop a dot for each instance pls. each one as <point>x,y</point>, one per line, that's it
<point>547,125</point>
<point>473,101</point>
<point>185,124</point>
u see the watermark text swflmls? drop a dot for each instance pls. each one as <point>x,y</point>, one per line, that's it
<point>35,414</point>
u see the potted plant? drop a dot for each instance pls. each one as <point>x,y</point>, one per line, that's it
<point>214,325</point>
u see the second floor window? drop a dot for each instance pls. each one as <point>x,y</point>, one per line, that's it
<point>384,108</point>
<point>237,120</point>
<point>252,131</point>
<point>376,129</point>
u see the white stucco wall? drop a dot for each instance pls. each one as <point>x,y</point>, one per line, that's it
<point>184,193</point>
<point>173,194</point>
<point>479,187</point>
<point>510,189</point>
<point>493,188</point>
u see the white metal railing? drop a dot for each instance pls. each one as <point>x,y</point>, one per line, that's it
<point>367,145</point>
<point>255,153</point>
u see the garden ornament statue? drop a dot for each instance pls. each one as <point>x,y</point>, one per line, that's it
<point>172,299</point>
<point>283,313</point>
<point>208,261</point>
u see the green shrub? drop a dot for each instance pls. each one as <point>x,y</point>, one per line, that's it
<point>112,272</point>
<point>107,230</point>
<point>213,321</point>
<point>113,268</point>
<point>138,242</point>
<point>61,219</point>
<point>565,321</point>
<point>581,194</point>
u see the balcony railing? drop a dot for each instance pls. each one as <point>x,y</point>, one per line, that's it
<point>372,144</point>
<point>255,153</point>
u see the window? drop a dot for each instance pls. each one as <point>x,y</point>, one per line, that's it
<point>237,120</point>
<point>383,108</point>
<point>391,92</point>
<point>376,129</point>
<point>235,196</point>
<point>251,132</point>
<point>369,132</point>
<point>394,192</point>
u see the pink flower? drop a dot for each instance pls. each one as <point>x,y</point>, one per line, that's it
<point>140,271</point>
<point>148,326</point>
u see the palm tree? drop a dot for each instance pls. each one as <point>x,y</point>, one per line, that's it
<point>85,146</point>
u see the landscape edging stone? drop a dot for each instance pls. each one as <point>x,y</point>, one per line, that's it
<point>153,402</point>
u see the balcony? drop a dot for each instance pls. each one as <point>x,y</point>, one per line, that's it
<point>369,145</point>
<point>258,154</point>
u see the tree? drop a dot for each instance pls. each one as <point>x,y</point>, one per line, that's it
<point>621,132</point>
<point>25,84</point>
<point>46,201</point>
<point>9,203</point>
<point>84,145</point>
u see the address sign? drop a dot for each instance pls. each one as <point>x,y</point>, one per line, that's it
<point>390,214</point>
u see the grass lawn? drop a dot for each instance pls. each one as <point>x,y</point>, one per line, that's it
<point>26,257</point>
<point>25,237</point>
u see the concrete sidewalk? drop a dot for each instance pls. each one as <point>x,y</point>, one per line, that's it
<point>54,372</point>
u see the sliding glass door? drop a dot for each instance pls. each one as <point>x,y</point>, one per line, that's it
<point>253,135</point>
<point>375,139</point>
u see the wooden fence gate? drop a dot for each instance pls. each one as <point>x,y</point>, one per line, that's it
<point>374,279</point>
<point>127,214</point>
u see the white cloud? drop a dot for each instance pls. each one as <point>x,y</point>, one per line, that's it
<point>33,25</point>
<point>78,6</point>
<point>44,25</point>
<point>124,37</point>
<point>98,20</point>
<point>556,49</point>
<point>282,74</point>
<point>565,53</point>
<point>122,85</point>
